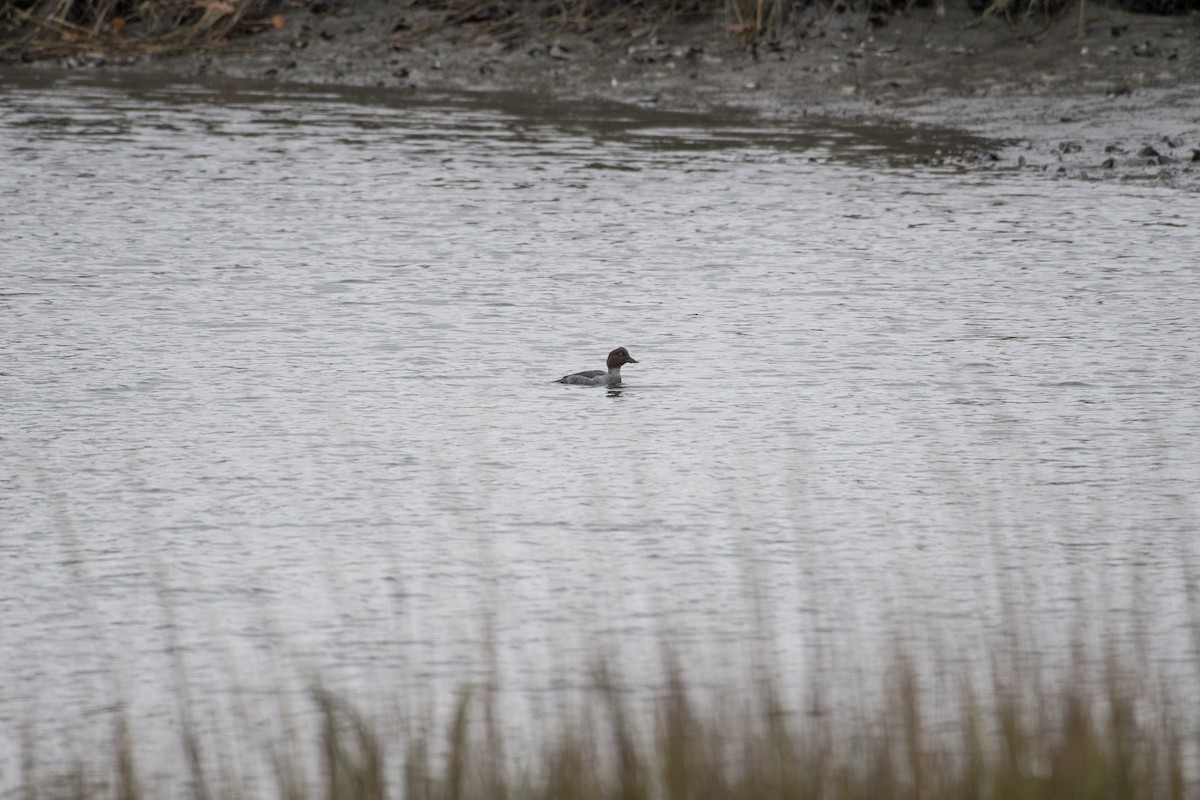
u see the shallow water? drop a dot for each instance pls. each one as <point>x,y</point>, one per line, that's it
<point>276,368</point>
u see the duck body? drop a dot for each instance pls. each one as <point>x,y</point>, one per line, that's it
<point>599,377</point>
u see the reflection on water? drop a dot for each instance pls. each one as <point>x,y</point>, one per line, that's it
<point>277,370</point>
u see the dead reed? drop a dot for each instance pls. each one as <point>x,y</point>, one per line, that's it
<point>37,29</point>
<point>1121,739</point>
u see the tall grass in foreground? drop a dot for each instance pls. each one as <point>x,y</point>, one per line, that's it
<point>1118,739</point>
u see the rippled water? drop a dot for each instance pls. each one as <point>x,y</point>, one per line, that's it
<point>276,369</point>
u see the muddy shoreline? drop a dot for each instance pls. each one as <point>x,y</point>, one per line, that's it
<point>1122,103</point>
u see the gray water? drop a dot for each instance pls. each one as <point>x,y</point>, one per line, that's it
<point>276,373</point>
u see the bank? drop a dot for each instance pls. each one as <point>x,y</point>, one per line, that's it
<point>1109,95</point>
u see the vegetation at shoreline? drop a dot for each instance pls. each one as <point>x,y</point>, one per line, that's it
<point>46,28</point>
<point>1078,739</point>
<point>36,29</point>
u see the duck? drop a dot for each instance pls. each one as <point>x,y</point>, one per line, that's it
<point>598,377</point>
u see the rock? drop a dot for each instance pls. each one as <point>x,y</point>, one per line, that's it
<point>649,53</point>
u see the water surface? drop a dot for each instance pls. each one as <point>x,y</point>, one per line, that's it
<point>277,375</point>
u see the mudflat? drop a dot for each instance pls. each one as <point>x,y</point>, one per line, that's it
<point>1106,95</point>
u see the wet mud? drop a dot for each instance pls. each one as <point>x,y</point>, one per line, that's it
<point>1119,102</point>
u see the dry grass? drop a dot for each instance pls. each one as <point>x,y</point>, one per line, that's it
<point>47,28</point>
<point>1119,740</point>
